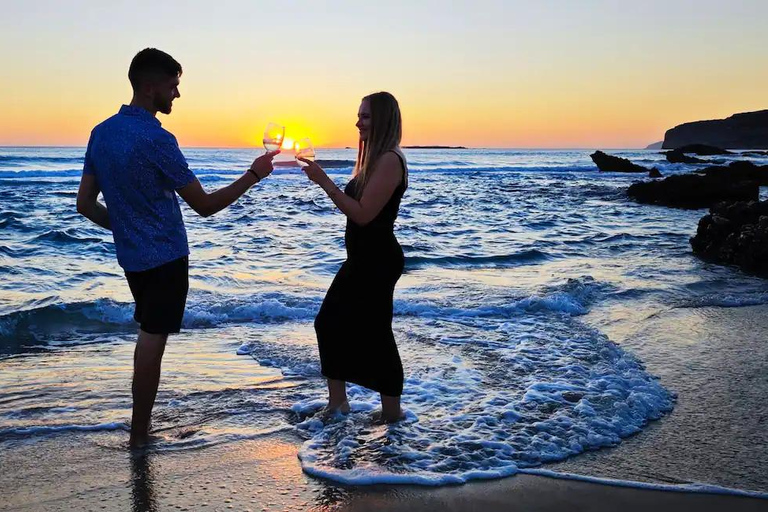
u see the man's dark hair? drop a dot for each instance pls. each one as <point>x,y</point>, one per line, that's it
<point>150,63</point>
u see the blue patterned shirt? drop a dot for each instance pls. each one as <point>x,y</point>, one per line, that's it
<point>138,166</point>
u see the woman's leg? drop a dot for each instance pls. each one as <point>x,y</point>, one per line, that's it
<point>390,409</point>
<point>337,395</point>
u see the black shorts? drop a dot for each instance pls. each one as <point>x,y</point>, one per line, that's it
<point>160,294</point>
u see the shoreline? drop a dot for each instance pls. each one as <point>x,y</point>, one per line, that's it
<point>265,475</point>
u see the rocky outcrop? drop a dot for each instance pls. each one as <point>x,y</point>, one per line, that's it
<point>748,130</point>
<point>655,145</point>
<point>610,163</point>
<point>693,191</point>
<point>703,150</point>
<point>654,173</point>
<point>738,171</point>
<point>735,234</point>
<point>678,157</point>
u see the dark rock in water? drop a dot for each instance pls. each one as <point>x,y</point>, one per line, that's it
<point>678,157</point>
<point>654,173</point>
<point>655,145</point>
<point>735,234</point>
<point>748,130</point>
<point>738,171</point>
<point>610,163</point>
<point>703,150</point>
<point>754,153</point>
<point>692,191</point>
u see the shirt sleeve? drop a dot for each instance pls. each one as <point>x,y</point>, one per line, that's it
<point>88,163</point>
<point>172,163</point>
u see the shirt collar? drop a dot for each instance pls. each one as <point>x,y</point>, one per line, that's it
<point>130,110</point>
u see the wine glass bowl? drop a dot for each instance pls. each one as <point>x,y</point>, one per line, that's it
<point>304,149</point>
<point>273,136</point>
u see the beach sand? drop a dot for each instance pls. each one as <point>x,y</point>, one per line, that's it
<point>72,473</point>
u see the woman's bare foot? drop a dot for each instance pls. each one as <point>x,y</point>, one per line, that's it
<point>330,410</point>
<point>380,417</point>
<point>390,410</point>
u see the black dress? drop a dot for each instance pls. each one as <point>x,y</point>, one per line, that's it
<point>354,325</point>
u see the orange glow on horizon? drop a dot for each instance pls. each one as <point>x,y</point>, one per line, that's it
<point>557,83</point>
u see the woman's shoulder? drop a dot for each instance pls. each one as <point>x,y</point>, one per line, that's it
<point>392,166</point>
<point>392,159</point>
<point>388,160</point>
<point>396,161</point>
<point>397,153</point>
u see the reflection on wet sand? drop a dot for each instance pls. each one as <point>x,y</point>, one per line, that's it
<point>142,483</point>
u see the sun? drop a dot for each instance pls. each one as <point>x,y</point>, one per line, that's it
<point>287,144</point>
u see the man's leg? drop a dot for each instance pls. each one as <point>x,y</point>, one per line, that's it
<point>147,359</point>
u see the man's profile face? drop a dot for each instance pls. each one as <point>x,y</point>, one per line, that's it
<point>164,91</point>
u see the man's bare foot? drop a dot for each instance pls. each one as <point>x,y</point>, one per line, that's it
<point>139,441</point>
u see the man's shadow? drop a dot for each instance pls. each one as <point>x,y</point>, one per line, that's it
<point>142,483</point>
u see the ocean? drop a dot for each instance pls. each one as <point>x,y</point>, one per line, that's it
<point>545,322</point>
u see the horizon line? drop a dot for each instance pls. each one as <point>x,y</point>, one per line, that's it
<point>446,147</point>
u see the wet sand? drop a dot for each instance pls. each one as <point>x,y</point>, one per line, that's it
<point>73,472</point>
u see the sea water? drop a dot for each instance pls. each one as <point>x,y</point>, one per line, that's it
<point>519,266</point>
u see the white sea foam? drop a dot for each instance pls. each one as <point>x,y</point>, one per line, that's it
<point>694,487</point>
<point>49,429</point>
<point>542,399</point>
<point>206,309</point>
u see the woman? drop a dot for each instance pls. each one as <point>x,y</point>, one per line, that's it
<point>354,325</point>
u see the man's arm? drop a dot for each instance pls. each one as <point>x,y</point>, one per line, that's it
<point>88,203</point>
<point>206,204</point>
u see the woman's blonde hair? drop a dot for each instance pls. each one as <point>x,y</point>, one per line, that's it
<point>384,135</point>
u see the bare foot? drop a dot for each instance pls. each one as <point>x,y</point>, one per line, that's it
<point>329,411</point>
<point>139,441</point>
<point>380,418</point>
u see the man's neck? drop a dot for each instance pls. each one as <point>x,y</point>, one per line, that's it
<point>139,102</point>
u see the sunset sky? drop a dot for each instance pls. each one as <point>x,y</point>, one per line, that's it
<point>477,73</point>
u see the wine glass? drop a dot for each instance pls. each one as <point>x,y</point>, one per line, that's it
<point>273,136</point>
<point>304,149</point>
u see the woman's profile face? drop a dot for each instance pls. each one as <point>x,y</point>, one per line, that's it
<point>364,119</point>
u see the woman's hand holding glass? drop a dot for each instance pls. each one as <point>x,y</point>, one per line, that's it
<point>315,173</point>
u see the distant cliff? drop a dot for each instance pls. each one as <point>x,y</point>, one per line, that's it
<point>655,145</point>
<point>740,131</point>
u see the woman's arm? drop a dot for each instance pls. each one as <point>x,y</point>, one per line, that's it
<point>385,179</point>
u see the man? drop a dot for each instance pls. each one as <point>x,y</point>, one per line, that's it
<point>138,167</point>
